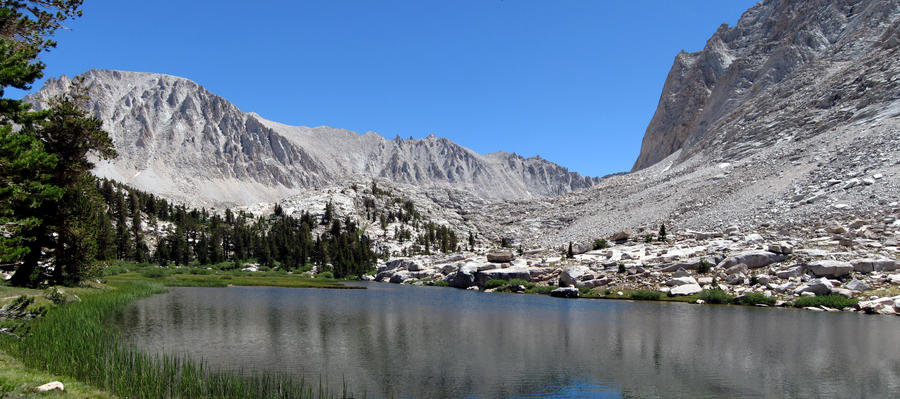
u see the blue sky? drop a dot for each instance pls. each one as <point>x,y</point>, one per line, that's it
<point>575,82</point>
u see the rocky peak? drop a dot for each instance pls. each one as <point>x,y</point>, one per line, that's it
<point>176,138</point>
<point>781,59</point>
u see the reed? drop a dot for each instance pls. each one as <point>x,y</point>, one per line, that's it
<point>74,341</point>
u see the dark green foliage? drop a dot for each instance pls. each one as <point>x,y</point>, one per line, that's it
<point>831,301</point>
<point>570,253</point>
<point>600,243</point>
<point>645,295</point>
<point>716,296</point>
<point>621,269</point>
<point>541,289</point>
<point>441,283</point>
<point>154,272</point>
<point>754,298</point>
<point>703,267</point>
<point>15,316</point>
<point>662,232</point>
<point>494,284</point>
<point>230,238</point>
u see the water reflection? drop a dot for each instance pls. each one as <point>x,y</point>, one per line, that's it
<point>431,342</point>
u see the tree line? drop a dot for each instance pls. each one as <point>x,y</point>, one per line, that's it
<point>183,236</point>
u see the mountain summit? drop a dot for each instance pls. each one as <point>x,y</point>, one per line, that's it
<point>177,139</point>
<point>788,65</point>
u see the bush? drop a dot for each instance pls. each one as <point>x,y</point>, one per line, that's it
<point>542,289</point>
<point>716,295</point>
<point>325,275</point>
<point>155,272</point>
<point>494,284</point>
<point>584,290</point>
<point>703,267</point>
<point>113,270</point>
<point>441,283</point>
<point>517,281</point>
<point>600,244</point>
<point>200,270</point>
<point>621,268</point>
<point>55,295</point>
<point>645,295</point>
<point>754,298</point>
<point>831,301</point>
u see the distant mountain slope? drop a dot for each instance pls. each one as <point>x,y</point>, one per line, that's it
<point>177,139</point>
<point>809,65</point>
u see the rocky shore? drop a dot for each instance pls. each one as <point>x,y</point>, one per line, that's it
<point>854,259</point>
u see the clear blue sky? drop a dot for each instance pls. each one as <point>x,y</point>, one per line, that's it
<point>575,82</point>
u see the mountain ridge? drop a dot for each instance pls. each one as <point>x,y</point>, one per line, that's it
<point>178,139</point>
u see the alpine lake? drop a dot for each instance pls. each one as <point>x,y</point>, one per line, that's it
<point>393,341</point>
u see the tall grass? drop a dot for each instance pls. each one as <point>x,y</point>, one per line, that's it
<point>72,340</point>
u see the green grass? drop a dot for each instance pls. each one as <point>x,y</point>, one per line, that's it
<point>73,341</point>
<point>831,301</point>
<point>754,298</point>
<point>645,295</point>
<point>494,284</point>
<point>716,296</point>
<point>226,278</point>
<point>541,289</point>
<point>17,381</point>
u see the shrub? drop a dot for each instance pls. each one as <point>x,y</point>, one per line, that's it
<point>113,270</point>
<point>600,244</point>
<point>716,295</point>
<point>607,291</point>
<point>754,298</point>
<point>441,283</point>
<point>494,284</point>
<point>831,301</point>
<point>55,295</point>
<point>325,275</point>
<point>621,268</point>
<point>542,289</point>
<point>155,272</point>
<point>703,267</point>
<point>645,295</point>
<point>584,290</point>
<point>200,271</point>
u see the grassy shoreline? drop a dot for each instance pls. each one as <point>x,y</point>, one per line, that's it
<point>75,342</point>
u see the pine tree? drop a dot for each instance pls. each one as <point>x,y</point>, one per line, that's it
<point>29,185</point>
<point>570,253</point>
<point>662,232</point>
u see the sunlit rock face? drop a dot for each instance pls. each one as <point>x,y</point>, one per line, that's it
<point>787,69</point>
<point>177,139</point>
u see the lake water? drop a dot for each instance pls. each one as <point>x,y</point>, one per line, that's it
<point>429,342</point>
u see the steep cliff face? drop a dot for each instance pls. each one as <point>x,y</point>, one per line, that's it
<point>177,139</point>
<point>804,66</point>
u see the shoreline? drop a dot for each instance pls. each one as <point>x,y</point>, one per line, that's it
<point>74,342</point>
<point>819,269</point>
